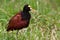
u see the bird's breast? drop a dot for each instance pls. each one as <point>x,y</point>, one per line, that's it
<point>25,16</point>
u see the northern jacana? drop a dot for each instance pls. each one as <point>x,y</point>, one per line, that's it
<point>20,20</point>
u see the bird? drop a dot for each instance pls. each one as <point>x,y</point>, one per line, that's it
<point>20,20</point>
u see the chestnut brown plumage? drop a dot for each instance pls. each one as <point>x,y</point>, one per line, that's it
<point>20,20</point>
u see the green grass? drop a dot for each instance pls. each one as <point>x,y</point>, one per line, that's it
<point>44,24</point>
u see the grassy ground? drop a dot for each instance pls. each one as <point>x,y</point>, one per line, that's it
<point>44,24</point>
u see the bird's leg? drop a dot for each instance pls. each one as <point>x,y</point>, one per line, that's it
<point>9,35</point>
<point>17,35</point>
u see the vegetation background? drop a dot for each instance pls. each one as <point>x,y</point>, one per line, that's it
<point>44,24</point>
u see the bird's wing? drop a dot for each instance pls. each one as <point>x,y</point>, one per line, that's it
<point>14,20</point>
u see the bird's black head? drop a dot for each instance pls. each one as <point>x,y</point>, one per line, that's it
<point>26,8</point>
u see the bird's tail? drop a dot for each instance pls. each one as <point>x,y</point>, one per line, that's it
<point>8,29</point>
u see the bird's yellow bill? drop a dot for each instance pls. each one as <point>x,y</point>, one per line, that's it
<point>32,10</point>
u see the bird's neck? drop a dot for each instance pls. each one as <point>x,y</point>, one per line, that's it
<point>25,15</point>
<point>24,11</point>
